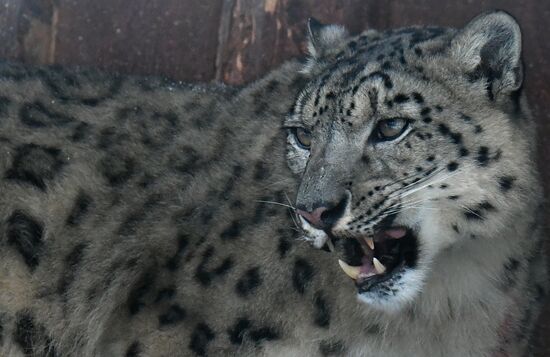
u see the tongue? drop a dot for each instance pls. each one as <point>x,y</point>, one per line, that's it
<point>367,268</point>
<point>396,233</point>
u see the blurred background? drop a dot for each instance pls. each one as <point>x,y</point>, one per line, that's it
<point>236,41</point>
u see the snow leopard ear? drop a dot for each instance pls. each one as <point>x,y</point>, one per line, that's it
<point>489,48</point>
<point>324,38</point>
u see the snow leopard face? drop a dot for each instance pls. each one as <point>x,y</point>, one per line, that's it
<point>409,144</point>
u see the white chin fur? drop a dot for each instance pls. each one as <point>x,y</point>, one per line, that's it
<point>407,290</point>
<point>315,236</point>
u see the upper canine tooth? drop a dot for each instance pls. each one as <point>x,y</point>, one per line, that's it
<point>380,268</point>
<point>352,272</point>
<point>370,242</point>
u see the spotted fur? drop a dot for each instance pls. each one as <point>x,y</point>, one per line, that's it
<point>145,217</point>
<point>460,175</point>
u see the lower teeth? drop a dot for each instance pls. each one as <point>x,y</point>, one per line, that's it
<point>354,272</point>
<point>380,268</point>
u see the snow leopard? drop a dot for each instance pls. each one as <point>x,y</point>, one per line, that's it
<point>378,198</point>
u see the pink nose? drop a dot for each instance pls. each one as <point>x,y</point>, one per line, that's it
<point>314,218</point>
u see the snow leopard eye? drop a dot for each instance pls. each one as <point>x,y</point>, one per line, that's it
<point>390,129</point>
<point>303,137</point>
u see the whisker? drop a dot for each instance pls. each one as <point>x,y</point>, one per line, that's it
<point>434,178</point>
<point>274,183</point>
<point>399,204</point>
<point>299,229</point>
<point>412,186</point>
<point>469,210</point>
<point>420,207</point>
<point>276,203</point>
<point>420,185</point>
<point>292,211</point>
<point>414,175</point>
<point>413,201</point>
<point>398,209</point>
<point>290,207</point>
<point>426,184</point>
<point>288,200</point>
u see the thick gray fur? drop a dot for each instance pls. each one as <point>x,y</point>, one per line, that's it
<point>142,217</point>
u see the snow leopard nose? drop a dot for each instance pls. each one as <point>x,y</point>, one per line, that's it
<point>313,218</point>
<point>324,216</point>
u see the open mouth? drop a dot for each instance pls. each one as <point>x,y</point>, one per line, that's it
<point>371,260</point>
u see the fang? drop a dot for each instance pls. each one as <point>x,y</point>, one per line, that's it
<point>352,272</point>
<point>370,242</point>
<point>380,268</point>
